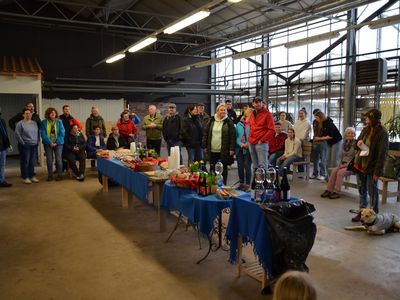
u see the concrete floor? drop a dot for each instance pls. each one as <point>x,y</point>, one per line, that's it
<point>69,240</point>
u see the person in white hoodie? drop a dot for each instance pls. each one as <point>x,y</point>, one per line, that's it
<point>293,151</point>
<point>219,139</point>
<point>302,127</point>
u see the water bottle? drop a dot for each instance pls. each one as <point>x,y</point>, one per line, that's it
<point>259,177</point>
<point>219,168</point>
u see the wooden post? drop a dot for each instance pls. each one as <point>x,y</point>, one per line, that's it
<point>105,183</point>
<point>125,195</point>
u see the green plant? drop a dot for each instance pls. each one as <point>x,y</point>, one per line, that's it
<point>393,127</point>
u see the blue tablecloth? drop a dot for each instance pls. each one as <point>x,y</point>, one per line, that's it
<point>247,219</point>
<point>198,209</point>
<point>134,182</point>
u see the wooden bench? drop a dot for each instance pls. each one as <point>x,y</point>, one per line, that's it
<point>385,182</point>
<point>306,147</point>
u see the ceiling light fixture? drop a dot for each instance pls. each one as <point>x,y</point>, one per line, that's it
<point>392,20</point>
<point>142,44</point>
<point>249,53</point>
<point>234,1</point>
<point>115,58</point>
<point>179,70</point>
<point>206,63</point>
<point>200,15</point>
<point>312,39</point>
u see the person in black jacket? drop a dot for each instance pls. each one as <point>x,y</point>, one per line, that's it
<point>75,146</point>
<point>193,134</point>
<point>325,134</point>
<point>115,140</point>
<point>219,140</point>
<point>4,146</point>
<point>172,129</point>
<point>231,112</point>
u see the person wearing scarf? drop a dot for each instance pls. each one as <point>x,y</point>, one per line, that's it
<point>370,165</point>
<point>219,140</point>
<point>335,182</point>
<point>242,150</point>
<point>52,133</point>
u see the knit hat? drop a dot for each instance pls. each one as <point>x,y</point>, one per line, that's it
<point>374,114</point>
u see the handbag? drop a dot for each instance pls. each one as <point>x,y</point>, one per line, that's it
<point>350,166</point>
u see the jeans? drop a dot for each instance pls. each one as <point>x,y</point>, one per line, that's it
<point>287,162</point>
<point>274,156</point>
<point>154,144</point>
<point>177,143</point>
<point>28,160</point>
<point>194,154</point>
<point>3,156</point>
<point>366,184</point>
<point>49,159</point>
<point>319,152</point>
<point>259,155</point>
<point>244,166</point>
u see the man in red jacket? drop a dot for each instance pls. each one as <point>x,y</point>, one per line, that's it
<point>262,132</point>
<point>277,145</point>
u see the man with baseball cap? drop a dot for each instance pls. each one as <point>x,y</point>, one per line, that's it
<point>262,131</point>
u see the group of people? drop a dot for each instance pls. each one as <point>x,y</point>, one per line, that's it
<point>254,138</point>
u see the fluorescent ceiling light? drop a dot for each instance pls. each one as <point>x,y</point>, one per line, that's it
<point>142,44</point>
<point>206,63</point>
<point>234,1</point>
<point>115,58</point>
<point>179,70</point>
<point>200,15</point>
<point>393,20</point>
<point>249,53</point>
<point>313,39</point>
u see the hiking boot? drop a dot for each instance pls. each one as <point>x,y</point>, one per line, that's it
<point>5,184</point>
<point>50,178</point>
<point>326,194</point>
<point>58,178</point>
<point>334,195</point>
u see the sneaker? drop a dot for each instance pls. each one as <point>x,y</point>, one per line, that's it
<point>322,178</point>
<point>27,181</point>
<point>334,195</point>
<point>5,184</point>
<point>49,178</point>
<point>357,218</point>
<point>34,179</point>
<point>326,194</point>
<point>314,177</point>
<point>80,177</point>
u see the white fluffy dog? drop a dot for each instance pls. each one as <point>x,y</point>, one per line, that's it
<point>379,223</point>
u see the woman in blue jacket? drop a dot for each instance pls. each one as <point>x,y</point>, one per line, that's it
<point>242,150</point>
<point>52,133</point>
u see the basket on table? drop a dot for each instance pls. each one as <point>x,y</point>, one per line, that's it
<point>145,166</point>
<point>184,183</point>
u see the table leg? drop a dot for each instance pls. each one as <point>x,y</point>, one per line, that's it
<point>264,281</point>
<point>176,227</point>
<point>239,255</point>
<point>150,193</point>
<point>162,215</point>
<point>125,195</point>
<point>105,183</point>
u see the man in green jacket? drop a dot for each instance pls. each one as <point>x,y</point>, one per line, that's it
<point>95,120</point>
<point>152,124</point>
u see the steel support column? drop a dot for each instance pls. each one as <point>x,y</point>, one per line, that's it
<point>265,70</point>
<point>349,105</point>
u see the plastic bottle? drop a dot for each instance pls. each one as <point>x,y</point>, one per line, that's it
<point>219,168</point>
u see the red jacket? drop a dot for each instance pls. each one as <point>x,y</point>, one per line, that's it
<point>262,127</point>
<point>126,128</point>
<point>277,143</point>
